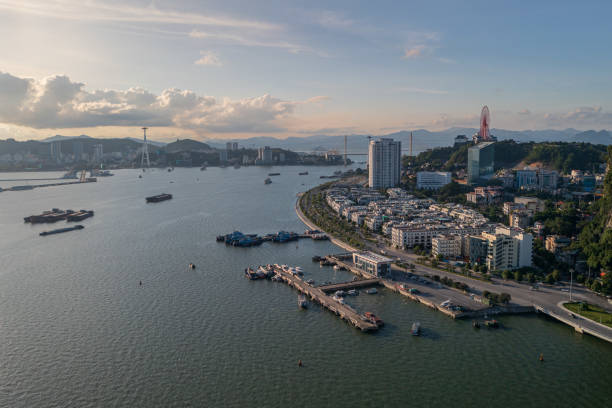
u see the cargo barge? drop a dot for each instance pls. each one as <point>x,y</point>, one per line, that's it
<point>59,231</point>
<point>55,215</point>
<point>158,198</point>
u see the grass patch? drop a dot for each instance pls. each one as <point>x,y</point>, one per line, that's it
<point>595,313</point>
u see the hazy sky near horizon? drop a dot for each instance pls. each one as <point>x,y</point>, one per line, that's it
<point>223,69</point>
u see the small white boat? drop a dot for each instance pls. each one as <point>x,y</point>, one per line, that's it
<point>371,291</point>
<point>352,292</point>
<point>338,299</point>
<point>310,281</point>
<point>302,302</point>
<point>416,329</point>
<point>339,293</point>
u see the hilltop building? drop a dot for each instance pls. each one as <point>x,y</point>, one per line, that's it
<point>433,180</point>
<point>481,159</point>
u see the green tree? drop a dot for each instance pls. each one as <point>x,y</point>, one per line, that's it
<point>518,276</point>
<point>506,274</point>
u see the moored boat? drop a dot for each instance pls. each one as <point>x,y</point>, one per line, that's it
<point>371,317</point>
<point>416,329</point>
<point>267,181</point>
<point>302,302</point>
<point>372,291</point>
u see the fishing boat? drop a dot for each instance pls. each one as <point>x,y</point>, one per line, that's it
<point>475,324</point>
<point>352,292</point>
<point>371,291</point>
<point>303,173</point>
<point>416,329</point>
<point>302,302</point>
<point>267,181</point>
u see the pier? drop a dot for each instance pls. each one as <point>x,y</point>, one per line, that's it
<point>363,283</point>
<point>316,294</point>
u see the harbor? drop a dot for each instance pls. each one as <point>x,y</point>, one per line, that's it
<point>365,322</point>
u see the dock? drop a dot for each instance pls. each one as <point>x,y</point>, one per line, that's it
<point>362,283</point>
<point>316,294</point>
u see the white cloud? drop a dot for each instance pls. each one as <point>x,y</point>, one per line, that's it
<point>120,12</point>
<point>414,52</point>
<point>208,58</point>
<point>592,116</point>
<point>58,102</point>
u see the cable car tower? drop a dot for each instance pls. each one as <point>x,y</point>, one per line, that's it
<point>145,151</point>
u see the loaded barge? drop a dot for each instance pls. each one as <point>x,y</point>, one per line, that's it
<point>55,215</point>
<point>158,198</point>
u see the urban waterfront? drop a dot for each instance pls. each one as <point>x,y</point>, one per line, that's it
<point>77,329</point>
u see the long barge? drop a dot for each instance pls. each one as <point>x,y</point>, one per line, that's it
<point>60,230</point>
<point>158,198</point>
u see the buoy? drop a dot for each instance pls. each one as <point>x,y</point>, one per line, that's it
<point>541,357</point>
<point>140,283</point>
<point>300,363</point>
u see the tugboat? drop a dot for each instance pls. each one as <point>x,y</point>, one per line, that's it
<point>302,302</point>
<point>416,329</point>
<point>267,181</point>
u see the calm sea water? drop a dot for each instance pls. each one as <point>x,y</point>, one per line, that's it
<point>77,329</point>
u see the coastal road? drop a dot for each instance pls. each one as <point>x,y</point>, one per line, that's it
<point>548,298</point>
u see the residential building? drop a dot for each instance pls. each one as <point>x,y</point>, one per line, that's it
<point>547,179</point>
<point>56,151</point>
<point>526,179</point>
<point>235,146</point>
<point>384,163</point>
<point>509,207</point>
<point>447,246</point>
<point>476,249</point>
<point>532,204</point>
<point>481,161</point>
<point>372,263</point>
<point>98,153</point>
<point>264,155</point>
<point>485,195</point>
<point>555,243</point>
<point>222,155</point>
<point>433,180</point>
<point>77,150</point>
<point>520,219</point>
<point>506,177</point>
<point>228,146</point>
<point>506,248</point>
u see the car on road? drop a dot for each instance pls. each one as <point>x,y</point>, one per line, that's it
<point>564,290</point>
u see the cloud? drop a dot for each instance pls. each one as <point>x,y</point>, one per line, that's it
<point>591,116</point>
<point>59,102</point>
<point>119,12</point>
<point>208,58</point>
<point>244,39</point>
<point>422,91</point>
<point>414,52</point>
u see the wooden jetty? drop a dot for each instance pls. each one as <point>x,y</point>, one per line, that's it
<point>344,311</point>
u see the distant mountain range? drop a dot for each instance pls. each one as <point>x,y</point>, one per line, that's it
<point>422,139</point>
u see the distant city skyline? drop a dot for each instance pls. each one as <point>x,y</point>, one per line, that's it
<point>240,69</point>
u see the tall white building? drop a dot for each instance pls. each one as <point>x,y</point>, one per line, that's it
<point>433,180</point>
<point>384,163</point>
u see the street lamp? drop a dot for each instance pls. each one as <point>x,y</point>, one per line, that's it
<point>571,276</point>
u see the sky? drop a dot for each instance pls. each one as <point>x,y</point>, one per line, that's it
<point>237,69</point>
